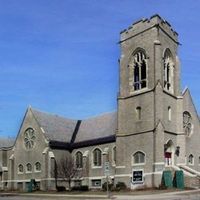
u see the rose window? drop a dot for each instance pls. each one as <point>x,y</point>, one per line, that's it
<point>29,138</point>
<point>187,124</point>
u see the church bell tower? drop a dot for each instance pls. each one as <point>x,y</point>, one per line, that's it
<point>149,97</point>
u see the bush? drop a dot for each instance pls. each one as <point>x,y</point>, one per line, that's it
<point>121,186</point>
<point>110,186</point>
<point>60,188</point>
<point>80,188</point>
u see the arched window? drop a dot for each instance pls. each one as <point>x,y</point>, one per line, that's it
<point>168,71</point>
<point>187,123</point>
<point>138,157</point>
<point>97,157</point>
<point>79,160</point>
<point>139,70</point>
<point>20,168</point>
<point>169,113</point>
<point>138,113</point>
<point>29,138</point>
<point>37,167</point>
<point>191,159</point>
<point>28,167</point>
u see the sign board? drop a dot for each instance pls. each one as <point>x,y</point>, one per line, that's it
<point>106,168</point>
<point>137,177</point>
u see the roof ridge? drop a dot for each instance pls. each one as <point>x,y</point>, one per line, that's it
<point>75,131</point>
<point>52,114</point>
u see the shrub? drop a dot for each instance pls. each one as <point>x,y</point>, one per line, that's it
<point>80,188</point>
<point>110,186</point>
<point>60,188</point>
<point>121,186</point>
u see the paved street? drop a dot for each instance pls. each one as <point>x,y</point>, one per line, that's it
<point>185,195</point>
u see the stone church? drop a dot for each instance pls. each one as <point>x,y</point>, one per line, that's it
<point>155,128</point>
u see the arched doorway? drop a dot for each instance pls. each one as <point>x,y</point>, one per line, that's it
<point>169,150</point>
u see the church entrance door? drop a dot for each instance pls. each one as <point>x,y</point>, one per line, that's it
<point>168,158</point>
<point>169,153</point>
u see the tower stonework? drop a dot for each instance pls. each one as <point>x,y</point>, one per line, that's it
<point>149,101</point>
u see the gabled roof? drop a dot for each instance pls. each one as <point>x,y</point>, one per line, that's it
<point>97,127</point>
<point>185,93</point>
<point>64,133</point>
<point>55,127</point>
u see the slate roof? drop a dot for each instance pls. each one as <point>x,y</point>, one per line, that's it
<point>97,127</point>
<point>55,127</point>
<point>6,142</point>
<point>60,130</point>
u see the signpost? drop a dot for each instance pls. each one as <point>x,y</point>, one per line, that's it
<point>106,168</point>
<point>107,173</point>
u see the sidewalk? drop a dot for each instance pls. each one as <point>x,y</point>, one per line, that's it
<point>149,196</point>
<point>131,196</point>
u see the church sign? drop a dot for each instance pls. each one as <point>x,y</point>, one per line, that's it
<point>137,177</point>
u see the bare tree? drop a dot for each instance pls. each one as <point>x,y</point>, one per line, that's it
<point>65,169</point>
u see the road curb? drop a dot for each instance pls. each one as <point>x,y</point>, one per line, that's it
<point>145,196</point>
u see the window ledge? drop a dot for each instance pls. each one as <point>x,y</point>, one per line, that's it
<point>133,92</point>
<point>114,164</point>
<point>37,171</point>
<point>138,164</point>
<point>96,167</point>
<point>191,164</point>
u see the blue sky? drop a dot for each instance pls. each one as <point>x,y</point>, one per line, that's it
<point>61,56</point>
